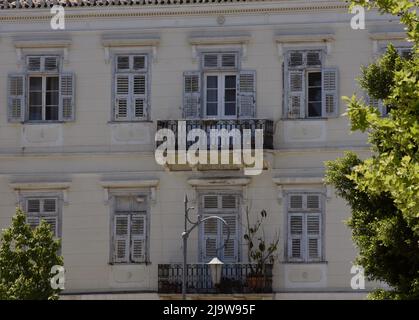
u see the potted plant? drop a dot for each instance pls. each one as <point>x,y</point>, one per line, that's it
<point>260,253</point>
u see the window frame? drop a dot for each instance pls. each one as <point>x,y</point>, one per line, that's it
<point>220,94</point>
<point>137,194</point>
<point>228,212</point>
<point>43,74</point>
<point>305,69</point>
<point>304,212</point>
<point>131,73</point>
<point>58,196</point>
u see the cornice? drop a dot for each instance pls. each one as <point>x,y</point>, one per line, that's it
<point>254,7</point>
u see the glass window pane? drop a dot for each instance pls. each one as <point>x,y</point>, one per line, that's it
<point>212,109</point>
<point>51,113</point>
<point>314,109</point>
<point>35,84</point>
<point>230,109</point>
<point>230,95</point>
<point>52,83</point>
<point>230,82</point>
<point>35,99</point>
<point>35,113</point>
<point>315,79</point>
<point>212,82</point>
<point>212,95</point>
<point>314,94</point>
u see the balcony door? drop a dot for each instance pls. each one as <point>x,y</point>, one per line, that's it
<point>220,95</point>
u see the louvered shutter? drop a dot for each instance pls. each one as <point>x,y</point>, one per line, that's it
<point>34,63</point>
<point>210,240</point>
<point>295,236</point>
<point>139,96</point>
<point>296,201</point>
<point>50,64</point>
<point>191,94</point>
<point>313,237</point>
<point>16,98</point>
<point>122,90</point>
<point>211,60</point>
<point>377,103</point>
<point>67,97</point>
<point>138,238</point>
<point>53,223</point>
<point>33,222</point>
<point>231,246</point>
<point>121,238</point>
<point>296,93</point>
<point>330,92</point>
<point>247,94</point>
<point>229,60</point>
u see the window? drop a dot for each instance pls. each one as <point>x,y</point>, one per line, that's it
<point>130,88</point>
<point>310,89</point>
<point>227,92</point>
<point>129,225</point>
<point>213,233</point>
<point>405,53</point>
<point>43,208</point>
<point>43,93</point>
<point>304,227</point>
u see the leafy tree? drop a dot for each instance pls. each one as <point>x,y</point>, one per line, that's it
<point>383,190</point>
<point>26,259</point>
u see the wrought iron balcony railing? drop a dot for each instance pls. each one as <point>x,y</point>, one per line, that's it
<point>206,125</point>
<point>236,278</point>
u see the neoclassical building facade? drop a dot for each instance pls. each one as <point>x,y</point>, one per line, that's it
<point>80,107</point>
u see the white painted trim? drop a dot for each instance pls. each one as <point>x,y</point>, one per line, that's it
<point>130,183</point>
<point>298,180</point>
<point>151,42</point>
<point>208,182</point>
<point>387,36</point>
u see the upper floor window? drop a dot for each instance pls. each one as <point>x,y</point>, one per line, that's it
<point>39,207</point>
<point>310,88</point>
<point>130,88</point>
<point>129,229</point>
<point>213,233</point>
<point>43,93</point>
<point>220,89</point>
<point>305,232</point>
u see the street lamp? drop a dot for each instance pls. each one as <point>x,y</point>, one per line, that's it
<point>216,267</point>
<point>215,264</point>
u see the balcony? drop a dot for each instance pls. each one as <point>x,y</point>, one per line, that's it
<point>236,278</point>
<point>207,124</point>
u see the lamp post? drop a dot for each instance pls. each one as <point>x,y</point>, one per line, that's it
<point>215,264</point>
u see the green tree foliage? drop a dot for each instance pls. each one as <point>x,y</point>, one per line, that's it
<point>26,259</point>
<point>382,190</point>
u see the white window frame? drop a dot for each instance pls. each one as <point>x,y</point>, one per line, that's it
<point>306,80</point>
<point>131,73</point>
<point>146,206</point>
<point>42,196</point>
<point>221,95</point>
<point>43,75</point>
<point>305,212</point>
<point>225,212</point>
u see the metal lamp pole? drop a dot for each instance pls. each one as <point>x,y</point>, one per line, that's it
<point>185,235</point>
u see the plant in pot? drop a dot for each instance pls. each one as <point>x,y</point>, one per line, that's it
<point>261,253</point>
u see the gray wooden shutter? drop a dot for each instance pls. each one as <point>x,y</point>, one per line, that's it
<point>138,238</point>
<point>139,97</point>
<point>16,98</point>
<point>32,221</point>
<point>191,94</point>
<point>67,97</point>
<point>377,103</point>
<point>313,236</point>
<point>247,94</point>
<point>230,249</point>
<point>330,92</point>
<point>122,97</point>
<point>53,223</point>
<point>209,240</point>
<point>295,236</point>
<point>296,96</point>
<point>121,238</point>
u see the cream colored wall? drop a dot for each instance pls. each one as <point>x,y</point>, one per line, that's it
<point>91,149</point>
